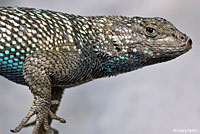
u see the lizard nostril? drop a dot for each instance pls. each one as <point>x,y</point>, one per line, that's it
<point>182,37</point>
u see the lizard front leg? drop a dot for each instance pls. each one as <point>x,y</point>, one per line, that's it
<point>56,96</point>
<point>37,70</point>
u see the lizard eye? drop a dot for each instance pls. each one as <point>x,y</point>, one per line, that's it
<point>150,31</point>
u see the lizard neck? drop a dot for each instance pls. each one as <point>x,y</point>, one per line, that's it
<point>103,37</point>
<point>109,47</point>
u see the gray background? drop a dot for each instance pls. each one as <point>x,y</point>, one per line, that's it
<point>154,100</point>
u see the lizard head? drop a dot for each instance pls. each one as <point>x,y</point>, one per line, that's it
<point>160,40</point>
<point>139,42</point>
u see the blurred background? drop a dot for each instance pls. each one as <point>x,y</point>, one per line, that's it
<point>154,100</point>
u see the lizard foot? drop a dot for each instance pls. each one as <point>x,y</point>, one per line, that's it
<point>41,109</point>
<point>53,102</point>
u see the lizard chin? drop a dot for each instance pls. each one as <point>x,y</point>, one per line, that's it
<point>172,53</point>
<point>180,49</point>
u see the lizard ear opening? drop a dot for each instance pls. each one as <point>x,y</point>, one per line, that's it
<point>116,46</point>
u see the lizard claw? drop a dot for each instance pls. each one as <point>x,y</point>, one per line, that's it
<point>52,115</point>
<point>24,121</point>
<point>43,113</point>
<point>53,102</point>
<point>55,117</point>
<point>30,124</point>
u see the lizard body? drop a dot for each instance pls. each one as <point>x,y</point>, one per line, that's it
<point>49,51</point>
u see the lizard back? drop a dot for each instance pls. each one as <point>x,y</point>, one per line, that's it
<point>26,30</point>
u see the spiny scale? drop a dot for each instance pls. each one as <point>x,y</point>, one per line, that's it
<point>23,31</point>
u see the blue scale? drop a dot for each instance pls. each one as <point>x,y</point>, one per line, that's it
<point>11,67</point>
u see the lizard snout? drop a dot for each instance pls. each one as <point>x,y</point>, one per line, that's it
<point>189,42</point>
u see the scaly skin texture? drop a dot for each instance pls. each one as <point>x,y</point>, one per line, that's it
<point>49,51</point>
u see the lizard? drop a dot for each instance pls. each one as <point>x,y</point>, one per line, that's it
<point>49,51</point>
